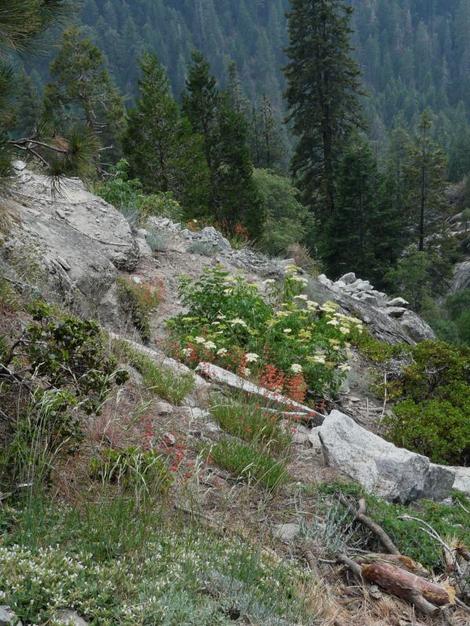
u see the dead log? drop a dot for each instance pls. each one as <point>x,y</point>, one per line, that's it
<point>219,375</point>
<point>424,594</point>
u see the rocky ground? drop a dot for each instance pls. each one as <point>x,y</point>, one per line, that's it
<point>71,246</point>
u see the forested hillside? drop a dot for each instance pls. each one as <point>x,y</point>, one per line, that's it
<point>413,53</point>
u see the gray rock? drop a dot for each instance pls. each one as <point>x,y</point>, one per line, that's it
<point>143,247</point>
<point>348,279</point>
<point>324,280</point>
<point>8,618</point>
<point>212,236</point>
<point>369,298</point>
<point>461,278</point>
<point>19,166</point>
<point>56,245</point>
<point>380,467</point>
<point>462,479</point>
<point>70,618</point>
<point>416,327</point>
<point>396,311</point>
<point>400,302</point>
<point>286,532</point>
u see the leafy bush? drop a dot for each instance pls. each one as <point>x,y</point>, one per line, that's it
<point>283,340</point>
<point>376,350</point>
<point>249,463</point>
<point>287,220</point>
<point>64,371</point>
<point>251,423</point>
<point>158,379</point>
<point>127,195</point>
<point>9,299</point>
<point>202,248</point>
<point>157,241</point>
<point>138,301</point>
<point>69,353</point>
<point>432,417</point>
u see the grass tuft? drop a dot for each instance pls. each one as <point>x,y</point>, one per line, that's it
<point>251,423</point>
<point>158,379</point>
<point>138,301</point>
<point>249,463</point>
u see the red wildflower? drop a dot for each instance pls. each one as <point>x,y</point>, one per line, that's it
<point>272,378</point>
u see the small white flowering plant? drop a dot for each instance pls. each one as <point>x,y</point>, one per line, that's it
<point>275,335</point>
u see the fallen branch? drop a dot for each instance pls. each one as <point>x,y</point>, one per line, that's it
<point>360,516</point>
<point>224,377</point>
<point>426,596</point>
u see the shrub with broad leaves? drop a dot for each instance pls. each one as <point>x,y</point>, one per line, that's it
<point>279,338</point>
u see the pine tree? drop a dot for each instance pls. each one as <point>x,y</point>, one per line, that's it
<point>83,94</point>
<point>201,101</point>
<point>161,149</point>
<point>27,106</point>
<point>237,202</point>
<point>425,175</point>
<point>349,245</point>
<point>233,197</point>
<point>20,23</point>
<point>150,139</point>
<point>322,95</point>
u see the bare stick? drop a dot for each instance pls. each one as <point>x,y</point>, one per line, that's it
<point>360,516</point>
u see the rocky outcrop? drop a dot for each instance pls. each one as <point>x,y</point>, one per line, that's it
<point>65,242</point>
<point>389,319</point>
<point>380,467</point>
<point>461,278</point>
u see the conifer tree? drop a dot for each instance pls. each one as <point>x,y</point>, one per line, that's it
<point>200,102</point>
<point>425,174</point>
<point>20,23</point>
<point>322,95</point>
<point>159,145</point>
<point>27,105</point>
<point>150,139</point>
<point>233,197</point>
<point>349,243</point>
<point>83,94</point>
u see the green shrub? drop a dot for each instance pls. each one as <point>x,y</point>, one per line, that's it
<point>249,463</point>
<point>448,520</point>
<point>287,220</point>
<point>157,241</point>
<point>65,371</point>
<point>251,423</point>
<point>127,195</point>
<point>202,248</point>
<point>160,205</point>
<point>282,340</point>
<point>50,423</point>
<point>432,417</point>
<point>138,301</point>
<point>158,379</point>
<point>376,350</point>
<point>69,353</point>
<point>9,299</point>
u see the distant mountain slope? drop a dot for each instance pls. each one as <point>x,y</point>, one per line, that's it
<point>413,53</point>
<point>250,32</point>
